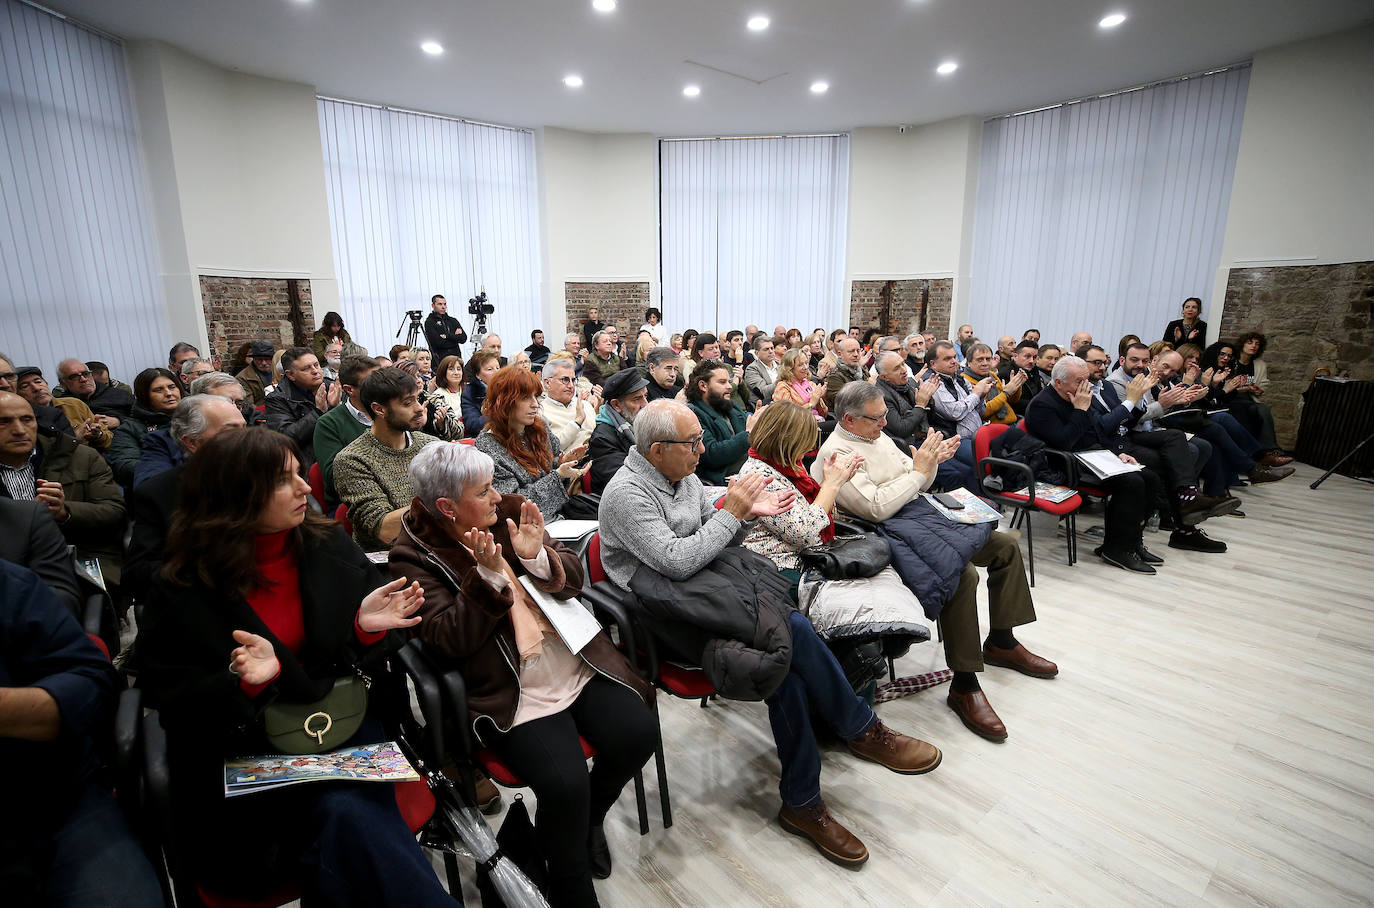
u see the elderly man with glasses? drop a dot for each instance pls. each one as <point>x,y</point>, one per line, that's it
<point>655,513</point>
<point>74,379</point>
<point>571,414</point>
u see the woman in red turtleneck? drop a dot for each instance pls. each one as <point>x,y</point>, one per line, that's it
<point>261,600</point>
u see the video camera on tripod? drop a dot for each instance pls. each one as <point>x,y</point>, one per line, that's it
<point>412,319</point>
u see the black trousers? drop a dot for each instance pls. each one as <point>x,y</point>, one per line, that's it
<point>547,755</point>
<point>1131,499</point>
<point>1166,452</point>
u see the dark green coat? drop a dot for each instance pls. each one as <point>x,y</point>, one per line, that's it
<point>727,442</point>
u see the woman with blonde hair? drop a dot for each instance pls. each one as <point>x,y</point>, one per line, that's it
<point>795,384</point>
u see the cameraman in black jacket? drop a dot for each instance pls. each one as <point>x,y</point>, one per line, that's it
<point>442,331</point>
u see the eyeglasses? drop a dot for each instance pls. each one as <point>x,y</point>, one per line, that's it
<point>690,442</point>
<point>882,418</point>
<point>71,375</point>
<point>563,379</point>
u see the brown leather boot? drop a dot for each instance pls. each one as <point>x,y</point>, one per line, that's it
<point>835,842</point>
<point>896,751</point>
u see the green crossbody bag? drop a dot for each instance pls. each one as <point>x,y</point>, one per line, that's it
<point>327,723</point>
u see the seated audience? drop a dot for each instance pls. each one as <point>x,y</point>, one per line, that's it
<point>572,346</point>
<point>1022,363</point>
<point>626,394</point>
<point>724,424</point>
<point>462,544</point>
<point>1063,416</point>
<point>657,517</point>
<point>1121,347</point>
<point>887,480</point>
<point>111,404</point>
<point>957,407</point>
<point>687,355</point>
<point>180,354</point>
<point>492,342</point>
<point>257,375</point>
<point>192,369</point>
<point>847,369</point>
<point>1079,342</point>
<point>1038,377</point>
<point>792,384</point>
<point>71,480</point>
<point>223,384</point>
<point>998,404</point>
<point>157,393</point>
<point>961,341</point>
<point>424,366</point>
<point>331,330</point>
<point>32,540</point>
<point>64,841</point>
<point>341,425</point>
<point>1190,329</point>
<point>1006,346</point>
<point>196,419</point>
<point>82,423</point>
<point>333,359</point>
<point>101,373</point>
<point>570,414</point>
<point>653,323</point>
<point>445,400</point>
<point>1032,335</point>
<point>733,352</point>
<point>663,369</point>
<point>289,604</point>
<point>916,353</point>
<point>300,399</point>
<point>528,459</point>
<point>483,365</point>
<point>794,339</point>
<point>371,470</point>
<point>907,420</point>
<point>50,419</point>
<point>1257,417</point>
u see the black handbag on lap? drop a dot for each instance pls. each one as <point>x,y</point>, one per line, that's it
<point>847,557</point>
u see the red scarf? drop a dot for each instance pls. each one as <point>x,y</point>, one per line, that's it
<point>807,487</point>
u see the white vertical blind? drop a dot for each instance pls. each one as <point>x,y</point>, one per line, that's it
<point>78,264</point>
<point>1104,215</point>
<point>420,205</point>
<point>753,231</point>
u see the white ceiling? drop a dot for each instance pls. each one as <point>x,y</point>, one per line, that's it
<point>504,60</point>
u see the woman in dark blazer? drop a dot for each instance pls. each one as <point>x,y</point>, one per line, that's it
<point>529,696</point>
<point>1190,329</point>
<point>260,601</point>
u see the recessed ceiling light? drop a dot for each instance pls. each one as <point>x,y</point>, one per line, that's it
<point>820,88</point>
<point>573,81</point>
<point>691,91</point>
<point>757,23</point>
<point>603,6</point>
<point>946,67</point>
<point>1112,21</point>
<point>433,48</point>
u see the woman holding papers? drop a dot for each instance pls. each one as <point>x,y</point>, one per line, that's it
<point>492,581</point>
<point>263,603</point>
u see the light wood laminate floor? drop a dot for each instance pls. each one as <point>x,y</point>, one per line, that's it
<point>1208,741</point>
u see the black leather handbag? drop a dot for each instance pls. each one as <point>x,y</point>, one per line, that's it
<point>847,557</point>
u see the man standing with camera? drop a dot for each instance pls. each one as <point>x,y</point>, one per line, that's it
<point>442,331</point>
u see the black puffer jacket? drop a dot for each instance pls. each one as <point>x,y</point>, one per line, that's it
<point>731,616</point>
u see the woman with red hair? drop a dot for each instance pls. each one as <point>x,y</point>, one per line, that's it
<point>529,460</point>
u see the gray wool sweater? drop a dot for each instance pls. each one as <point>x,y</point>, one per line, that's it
<point>547,490</point>
<point>673,527</point>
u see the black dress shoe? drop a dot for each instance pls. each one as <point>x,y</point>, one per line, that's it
<point>1148,556</point>
<point>1127,561</point>
<point>1195,540</point>
<point>598,853</point>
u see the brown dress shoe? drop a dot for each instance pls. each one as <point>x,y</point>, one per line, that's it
<point>1022,659</point>
<point>1262,473</point>
<point>835,842</point>
<point>896,751</point>
<point>1274,459</point>
<point>977,714</point>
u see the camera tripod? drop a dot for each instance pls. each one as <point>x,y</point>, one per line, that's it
<point>1337,465</point>
<point>479,333</point>
<point>413,319</point>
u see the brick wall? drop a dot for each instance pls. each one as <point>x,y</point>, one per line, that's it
<point>621,303</point>
<point>896,307</point>
<point>1312,316</point>
<point>240,309</point>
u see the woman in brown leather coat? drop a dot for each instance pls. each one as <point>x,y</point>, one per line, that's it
<point>529,695</point>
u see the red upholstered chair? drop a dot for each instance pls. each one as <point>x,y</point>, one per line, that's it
<point>316,479</point>
<point>1023,504</point>
<point>341,515</point>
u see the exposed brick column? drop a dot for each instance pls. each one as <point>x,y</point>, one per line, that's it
<point>897,307</point>
<point>243,309</point>
<point>621,303</point>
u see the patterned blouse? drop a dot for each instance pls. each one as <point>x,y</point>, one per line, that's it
<point>780,537</point>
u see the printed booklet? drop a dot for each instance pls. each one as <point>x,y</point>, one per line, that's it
<point>382,762</point>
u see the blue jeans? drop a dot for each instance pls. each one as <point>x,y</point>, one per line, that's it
<point>1237,447</point>
<point>814,678</point>
<point>97,861</point>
